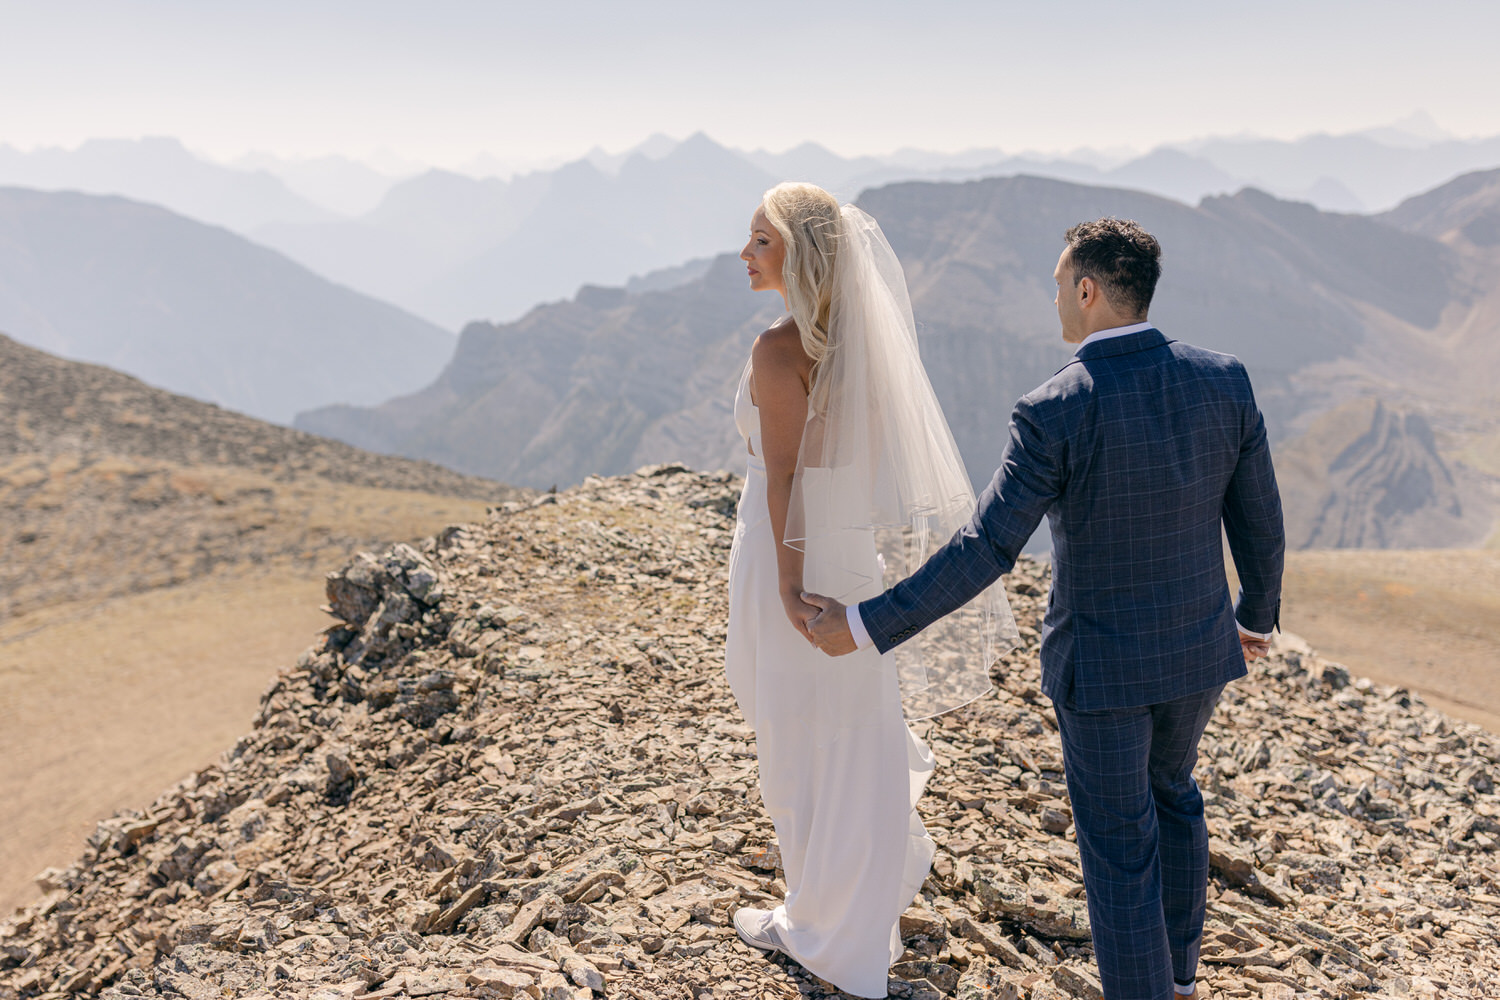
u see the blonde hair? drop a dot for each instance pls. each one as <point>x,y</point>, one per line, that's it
<point>810,225</point>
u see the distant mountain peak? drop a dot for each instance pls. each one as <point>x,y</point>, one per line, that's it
<point>657,145</point>
<point>699,141</point>
<point>1416,130</point>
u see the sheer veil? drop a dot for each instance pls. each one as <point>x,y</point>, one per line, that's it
<point>880,486</point>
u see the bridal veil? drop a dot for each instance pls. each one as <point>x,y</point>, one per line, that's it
<point>880,486</point>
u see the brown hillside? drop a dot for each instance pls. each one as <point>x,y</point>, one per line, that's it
<point>109,487</point>
<point>1424,620</point>
<point>52,406</point>
<point>1366,476</point>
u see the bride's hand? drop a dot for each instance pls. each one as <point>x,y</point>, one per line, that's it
<point>1253,648</point>
<point>798,611</point>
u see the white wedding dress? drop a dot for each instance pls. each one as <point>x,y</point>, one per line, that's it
<point>841,786</point>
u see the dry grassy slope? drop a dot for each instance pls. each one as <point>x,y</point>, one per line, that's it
<point>49,405</point>
<point>1425,620</point>
<point>88,527</point>
<point>104,702</point>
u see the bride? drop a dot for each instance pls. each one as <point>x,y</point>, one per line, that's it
<point>853,480</point>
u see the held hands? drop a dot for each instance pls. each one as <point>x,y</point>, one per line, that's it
<point>799,612</point>
<point>1253,648</point>
<point>829,629</point>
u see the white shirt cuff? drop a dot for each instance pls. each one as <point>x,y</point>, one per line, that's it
<point>1263,636</point>
<point>857,627</point>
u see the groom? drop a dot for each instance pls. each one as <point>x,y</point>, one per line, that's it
<point>1136,451</point>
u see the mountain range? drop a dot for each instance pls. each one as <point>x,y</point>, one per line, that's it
<point>1329,309</point>
<point>1326,309</point>
<point>491,242</point>
<point>455,249</point>
<point>198,309</point>
<point>162,171</point>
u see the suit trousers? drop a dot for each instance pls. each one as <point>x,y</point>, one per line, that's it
<point>1142,840</point>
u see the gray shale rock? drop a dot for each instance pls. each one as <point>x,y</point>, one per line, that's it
<point>512,767</point>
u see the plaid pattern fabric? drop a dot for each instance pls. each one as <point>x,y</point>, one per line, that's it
<point>1139,452</point>
<point>1141,838</point>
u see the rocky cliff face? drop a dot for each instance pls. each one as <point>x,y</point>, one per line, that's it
<point>600,384</point>
<point>1323,309</point>
<point>579,386</point>
<point>512,767</point>
<point>1367,476</point>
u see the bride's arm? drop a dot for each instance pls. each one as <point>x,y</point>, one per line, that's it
<point>780,373</point>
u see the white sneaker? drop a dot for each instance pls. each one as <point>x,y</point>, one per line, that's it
<point>755,929</point>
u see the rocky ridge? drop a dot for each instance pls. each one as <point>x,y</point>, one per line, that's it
<point>512,767</point>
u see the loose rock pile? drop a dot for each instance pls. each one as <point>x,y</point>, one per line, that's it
<point>513,769</point>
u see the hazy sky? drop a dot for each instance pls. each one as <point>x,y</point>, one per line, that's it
<point>441,81</point>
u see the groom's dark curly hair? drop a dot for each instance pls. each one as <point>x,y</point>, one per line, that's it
<point>1121,257</point>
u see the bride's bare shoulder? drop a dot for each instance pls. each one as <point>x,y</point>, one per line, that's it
<point>780,346</point>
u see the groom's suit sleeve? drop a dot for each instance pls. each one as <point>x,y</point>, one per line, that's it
<point>1253,525</point>
<point>1029,479</point>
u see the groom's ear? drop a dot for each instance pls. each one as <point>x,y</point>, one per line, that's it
<point>1087,290</point>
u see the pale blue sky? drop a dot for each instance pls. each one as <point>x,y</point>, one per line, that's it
<point>442,81</point>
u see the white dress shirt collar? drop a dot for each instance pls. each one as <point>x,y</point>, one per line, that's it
<point>1117,331</point>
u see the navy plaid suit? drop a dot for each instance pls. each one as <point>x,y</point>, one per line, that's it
<point>1137,451</point>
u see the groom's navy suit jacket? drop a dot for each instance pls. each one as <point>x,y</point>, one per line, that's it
<point>1136,451</point>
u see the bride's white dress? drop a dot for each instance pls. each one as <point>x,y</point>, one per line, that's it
<point>854,850</point>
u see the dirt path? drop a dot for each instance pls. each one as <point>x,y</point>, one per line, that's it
<point>101,710</point>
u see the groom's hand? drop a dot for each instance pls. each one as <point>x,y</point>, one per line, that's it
<point>830,627</point>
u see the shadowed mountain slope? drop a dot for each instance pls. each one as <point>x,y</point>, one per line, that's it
<point>659,367</point>
<point>197,309</point>
<point>1404,275</point>
<point>575,386</point>
<point>1468,206</point>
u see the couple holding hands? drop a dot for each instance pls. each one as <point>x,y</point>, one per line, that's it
<point>863,587</point>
